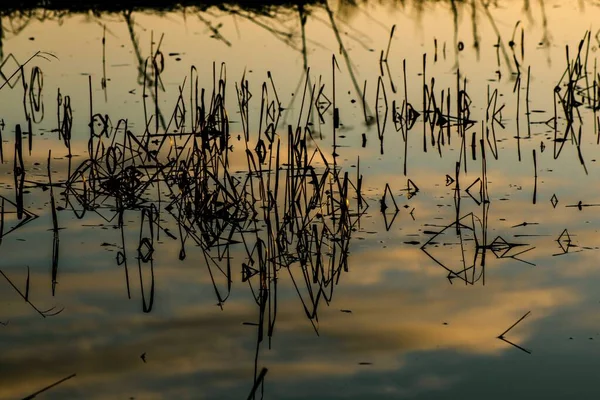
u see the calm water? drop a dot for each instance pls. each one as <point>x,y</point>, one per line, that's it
<point>415,217</point>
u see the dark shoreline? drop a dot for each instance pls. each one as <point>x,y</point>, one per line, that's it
<point>100,6</point>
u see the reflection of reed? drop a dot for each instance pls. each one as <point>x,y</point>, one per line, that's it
<point>148,70</point>
<point>291,208</point>
<point>273,17</point>
<point>104,6</point>
<point>34,395</point>
<point>267,14</point>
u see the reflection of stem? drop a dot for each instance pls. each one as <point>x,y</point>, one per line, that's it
<point>1,41</point>
<point>214,30</point>
<point>257,380</point>
<point>527,10</point>
<point>136,47</point>
<point>455,22</point>
<point>142,76</point>
<point>104,83</point>
<point>302,16</point>
<point>546,36</point>
<point>345,54</point>
<point>31,396</point>
<point>359,37</point>
<point>502,47</point>
<point>285,37</point>
<point>474,25</point>
<point>44,314</point>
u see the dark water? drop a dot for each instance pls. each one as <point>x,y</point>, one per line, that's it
<point>373,200</point>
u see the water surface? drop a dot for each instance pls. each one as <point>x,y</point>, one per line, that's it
<point>333,200</point>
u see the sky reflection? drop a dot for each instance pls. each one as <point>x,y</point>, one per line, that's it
<point>397,324</point>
